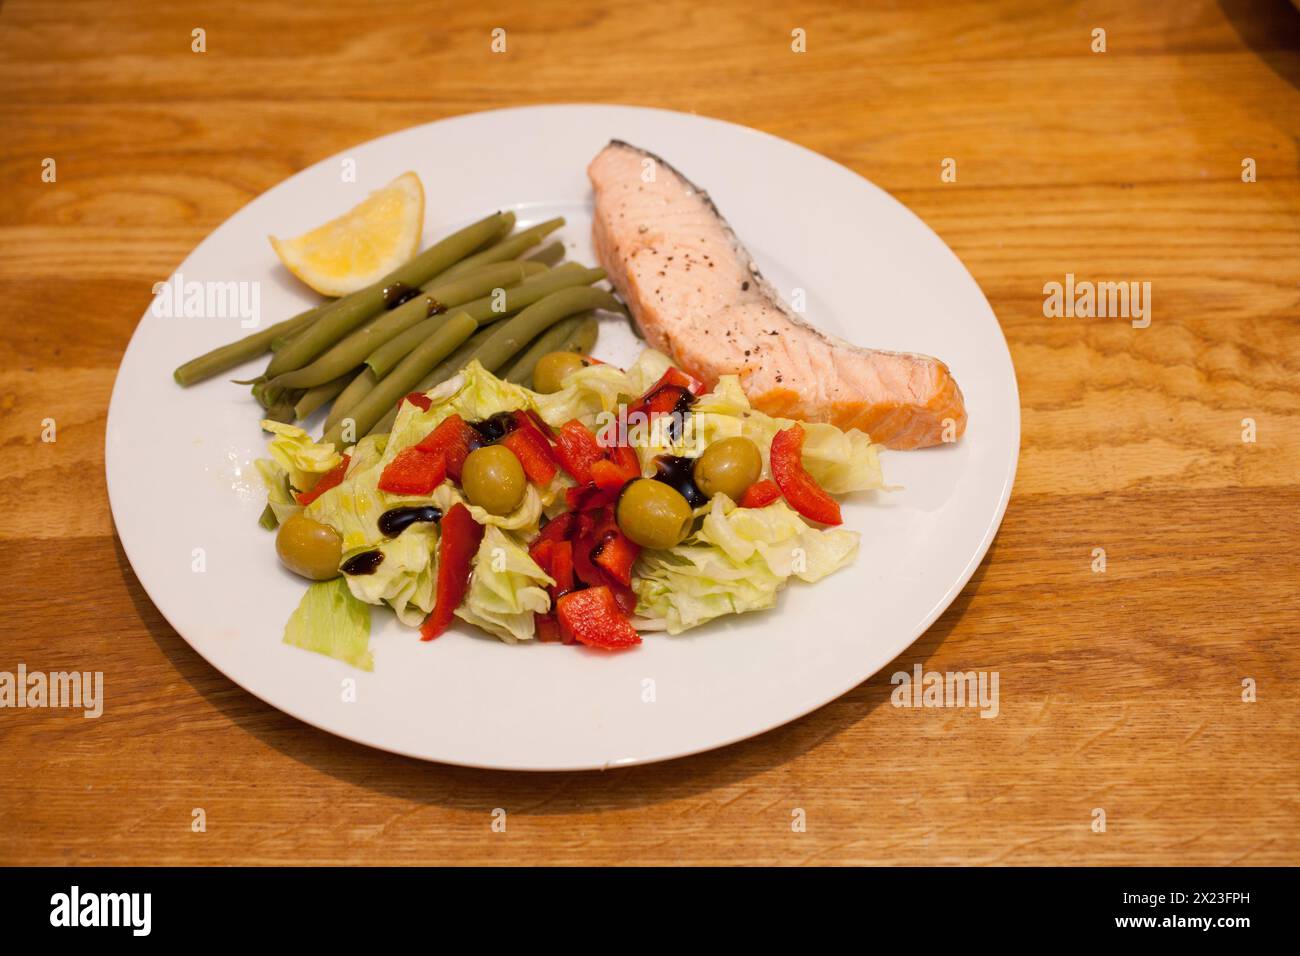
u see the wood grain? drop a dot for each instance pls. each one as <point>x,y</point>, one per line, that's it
<point>1119,691</point>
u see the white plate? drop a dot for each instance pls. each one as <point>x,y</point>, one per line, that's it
<point>179,475</point>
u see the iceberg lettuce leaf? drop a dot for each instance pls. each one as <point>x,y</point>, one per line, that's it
<point>506,589</point>
<point>406,578</point>
<point>737,562</point>
<point>294,450</point>
<point>330,621</point>
<point>278,494</point>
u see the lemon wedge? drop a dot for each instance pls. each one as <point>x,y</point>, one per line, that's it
<point>361,246</point>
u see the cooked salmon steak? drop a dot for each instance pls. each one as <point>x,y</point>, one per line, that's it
<point>697,296</point>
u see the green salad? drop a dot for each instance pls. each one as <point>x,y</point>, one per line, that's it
<point>613,503</point>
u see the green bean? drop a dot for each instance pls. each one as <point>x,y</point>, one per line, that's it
<point>549,254</point>
<point>583,339</point>
<point>535,289</point>
<point>445,369</point>
<point>509,247</point>
<point>265,393</point>
<point>454,362</point>
<point>403,379</point>
<point>484,310</point>
<point>349,397</point>
<point>282,410</point>
<point>511,336</point>
<point>314,398</point>
<point>236,353</point>
<point>520,371</point>
<point>497,306</point>
<point>439,296</point>
<point>280,341</point>
<point>385,424</point>
<point>385,358</point>
<point>351,311</point>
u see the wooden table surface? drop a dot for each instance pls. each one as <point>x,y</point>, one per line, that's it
<point>1120,691</point>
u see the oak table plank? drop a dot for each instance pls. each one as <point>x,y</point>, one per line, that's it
<point>1119,691</point>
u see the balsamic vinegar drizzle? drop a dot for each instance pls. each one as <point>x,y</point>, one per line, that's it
<point>492,430</point>
<point>678,472</point>
<point>397,293</point>
<point>367,562</point>
<point>396,520</point>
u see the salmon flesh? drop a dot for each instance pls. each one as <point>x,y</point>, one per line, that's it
<point>697,296</point>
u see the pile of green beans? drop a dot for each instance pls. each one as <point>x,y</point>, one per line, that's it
<point>487,309</point>
<point>437,297</point>
<point>482,293</point>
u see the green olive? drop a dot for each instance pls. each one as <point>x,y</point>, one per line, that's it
<point>309,548</point>
<point>653,514</point>
<point>551,368</point>
<point>728,467</point>
<point>494,479</point>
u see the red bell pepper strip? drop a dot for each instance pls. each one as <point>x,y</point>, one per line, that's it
<point>586,537</point>
<point>800,488</point>
<point>454,439</point>
<point>559,528</point>
<point>590,497</point>
<point>461,536</point>
<point>413,471</point>
<point>561,568</point>
<point>595,619</point>
<point>555,557</point>
<point>609,477</point>
<point>625,459</point>
<point>664,394</point>
<point>577,450</point>
<point>331,479</point>
<point>532,449</point>
<point>624,596</point>
<point>530,420</point>
<point>553,553</point>
<point>540,422</point>
<point>760,494</point>
<point>541,552</point>
<point>615,553</point>
<point>419,400</point>
<point>547,629</point>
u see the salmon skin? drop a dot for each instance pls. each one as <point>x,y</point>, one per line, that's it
<point>697,296</point>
